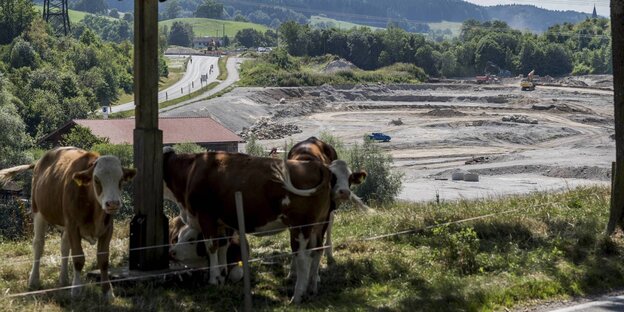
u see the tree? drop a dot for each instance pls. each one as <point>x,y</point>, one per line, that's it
<point>181,34</point>
<point>15,16</point>
<point>23,55</point>
<point>209,9</point>
<point>249,38</point>
<point>113,13</point>
<point>91,6</point>
<point>13,138</point>
<point>173,9</point>
<point>128,17</point>
<point>81,137</point>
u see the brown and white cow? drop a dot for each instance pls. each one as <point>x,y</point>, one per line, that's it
<point>187,247</point>
<point>314,149</point>
<point>277,194</point>
<point>78,191</point>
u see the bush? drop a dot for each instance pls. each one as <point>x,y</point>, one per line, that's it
<point>188,148</point>
<point>458,249</point>
<point>254,148</point>
<point>124,152</point>
<point>15,220</point>
<point>382,184</point>
<point>81,137</point>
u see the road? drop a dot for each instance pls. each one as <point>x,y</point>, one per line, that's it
<point>603,304</point>
<point>191,81</point>
<point>233,76</point>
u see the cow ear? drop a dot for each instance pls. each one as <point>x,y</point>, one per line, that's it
<point>128,174</point>
<point>357,177</point>
<point>83,177</point>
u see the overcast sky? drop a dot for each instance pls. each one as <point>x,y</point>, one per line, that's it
<point>602,6</point>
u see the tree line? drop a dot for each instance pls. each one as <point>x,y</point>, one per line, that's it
<point>494,47</point>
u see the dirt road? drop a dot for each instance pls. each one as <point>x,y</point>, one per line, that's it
<point>445,126</point>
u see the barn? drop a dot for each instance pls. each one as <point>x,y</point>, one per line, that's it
<point>203,131</point>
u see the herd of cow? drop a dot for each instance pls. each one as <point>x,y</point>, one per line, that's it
<point>79,191</point>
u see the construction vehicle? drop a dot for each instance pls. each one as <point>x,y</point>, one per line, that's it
<point>527,83</point>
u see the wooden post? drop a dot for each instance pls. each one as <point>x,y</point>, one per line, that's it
<point>238,197</point>
<point>149,226</point>
<point>617,33</point>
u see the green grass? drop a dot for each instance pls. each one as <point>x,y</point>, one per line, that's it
<point>223,72</point>
<point>550,248</point>
<point>74,16</point>
<point>316,20</point>
<point>209,27</point>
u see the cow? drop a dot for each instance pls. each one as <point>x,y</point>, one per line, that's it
<point>78,191</point>
<point>277,194</point>
<point>313,149</point>
<point>187,247</point>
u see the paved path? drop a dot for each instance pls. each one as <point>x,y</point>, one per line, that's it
<point>605,304</point>
<point>191,81</point>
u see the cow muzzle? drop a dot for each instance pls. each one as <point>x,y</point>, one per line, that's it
<point>111,206</point>
<point>342,195</point>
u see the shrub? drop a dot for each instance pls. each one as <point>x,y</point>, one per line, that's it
<point>188,148</point>
<point>254,148</point>
<point>81,137</point>
<point>124,152</point>
<point>15,219</point>
<point>382,184</point>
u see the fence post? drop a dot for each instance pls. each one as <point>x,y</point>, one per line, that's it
<point>238,197</point>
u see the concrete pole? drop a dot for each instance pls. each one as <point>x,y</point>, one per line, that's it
<point>149,227</point>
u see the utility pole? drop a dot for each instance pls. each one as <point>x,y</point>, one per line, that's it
<point>617,188</point>
<point>149,227</point>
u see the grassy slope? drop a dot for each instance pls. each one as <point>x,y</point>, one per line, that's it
<point>315,19</point>
<point>454,27</point>
<point>74,16</point>
<point>209,27</point>
<point>550,248</point>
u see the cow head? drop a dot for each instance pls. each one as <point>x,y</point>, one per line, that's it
<point>106,176</point>
<point>343,179</point>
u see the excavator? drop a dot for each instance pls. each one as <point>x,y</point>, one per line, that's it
<point>527,83</point>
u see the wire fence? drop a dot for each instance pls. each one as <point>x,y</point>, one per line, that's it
<point>347,241</point>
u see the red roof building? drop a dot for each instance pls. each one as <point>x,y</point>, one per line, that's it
<point>203,131</point>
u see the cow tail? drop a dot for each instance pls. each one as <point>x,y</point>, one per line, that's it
<point>6,175</point>
<point>281,175</point>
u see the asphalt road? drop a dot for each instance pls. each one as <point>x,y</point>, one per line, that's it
<point>190,82</point>
<point>605,304</point>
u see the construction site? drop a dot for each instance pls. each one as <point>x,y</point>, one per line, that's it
<point>513,141</point>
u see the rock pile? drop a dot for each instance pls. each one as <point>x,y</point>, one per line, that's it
<point>397,122</point>
<point>520,119</point>
<point>266,129</point>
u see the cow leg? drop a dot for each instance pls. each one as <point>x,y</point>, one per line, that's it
<point>315,279</point>
<point>64,278</point>
<point>304,261</point>
<point>40,227</point>
<point>77,257</point>
<point>329,250</point>
<point>223,259</point>
<point>293,268</point>
<point>209,227</point>
<point>103,247</point>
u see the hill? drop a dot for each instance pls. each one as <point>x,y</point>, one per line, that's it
<point>209,27</point>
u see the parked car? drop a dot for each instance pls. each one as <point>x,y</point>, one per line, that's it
<point>378,136</point>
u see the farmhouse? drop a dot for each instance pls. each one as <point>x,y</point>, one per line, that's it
<point>203,131</point>
<point>205,42</point>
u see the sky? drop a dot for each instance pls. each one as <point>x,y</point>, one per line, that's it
<point>602,6</point>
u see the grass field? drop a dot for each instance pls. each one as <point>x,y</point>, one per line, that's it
<point>315,20</point>
<point>547,246</point>
<point>454,27</point>
<point>209,27</point>
<point>74,16</point>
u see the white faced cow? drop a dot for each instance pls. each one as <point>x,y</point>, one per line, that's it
<point>276,195</point>
<point>78,191</point>
<point>314,149</point>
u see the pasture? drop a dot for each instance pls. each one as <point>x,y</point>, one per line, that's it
<point>528,248</point>
<point>212,27</point>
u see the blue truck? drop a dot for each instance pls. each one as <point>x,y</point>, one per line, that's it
<point>378,136</point>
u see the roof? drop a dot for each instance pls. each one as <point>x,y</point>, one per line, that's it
<point>175,130</point>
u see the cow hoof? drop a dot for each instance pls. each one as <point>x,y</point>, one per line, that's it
<point>108,296</point>
<point>75,291</point>
<point>33,282</point>
<point>295,300</point>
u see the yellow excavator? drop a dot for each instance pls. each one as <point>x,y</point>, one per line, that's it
<point>527,83</point>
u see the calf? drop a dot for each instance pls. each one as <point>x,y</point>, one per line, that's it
<point>273,200</point>
<point>78,191</point>
<point>187,247</point>
<point>314,149</point>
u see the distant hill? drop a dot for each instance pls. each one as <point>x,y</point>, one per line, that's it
<point>209,27</point>
<point>379,13</point>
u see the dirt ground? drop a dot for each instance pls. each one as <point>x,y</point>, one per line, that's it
<point>558,136</point>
